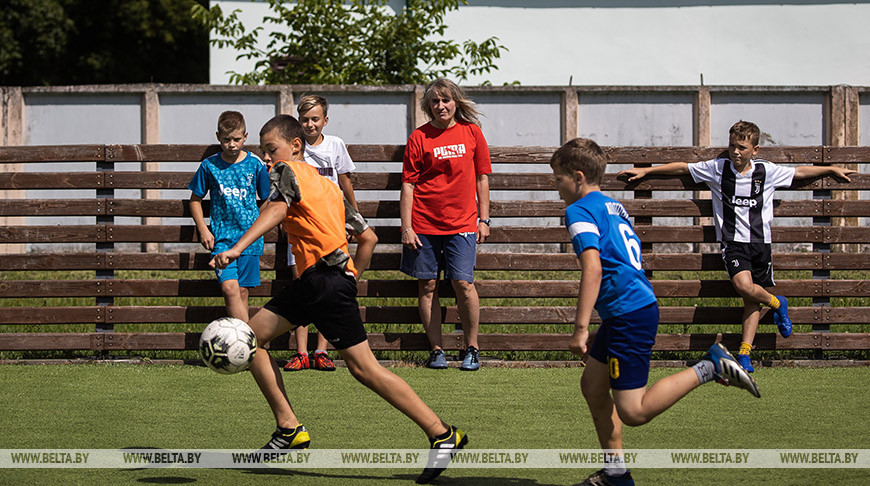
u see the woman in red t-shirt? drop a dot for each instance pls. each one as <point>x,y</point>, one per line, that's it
<point>445,212</point>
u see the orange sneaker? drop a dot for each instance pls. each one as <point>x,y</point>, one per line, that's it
<point>322,362</point>
<point>297,362</point>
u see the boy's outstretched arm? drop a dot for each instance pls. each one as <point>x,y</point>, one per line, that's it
<point>672,169</point>
<point>810,171</point>
<point>270,216</point>
<point>590,284</point>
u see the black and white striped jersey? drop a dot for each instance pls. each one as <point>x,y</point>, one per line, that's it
<point>742,203</point>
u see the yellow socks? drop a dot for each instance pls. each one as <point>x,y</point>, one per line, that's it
<point>774,302</point>
<point>745,348</point>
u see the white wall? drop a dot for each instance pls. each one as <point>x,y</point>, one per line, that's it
<point>646,42</point>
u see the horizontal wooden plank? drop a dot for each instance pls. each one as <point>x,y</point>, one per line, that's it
<point>390,261</point>
<point>53,207</point>
<point>390,209</point>
<point>53,180</point>
<point>846,155</point>
<point>363,181</point>
<point>409,315</point>
<point>52,153</point>
<point>408,288</point>
<point>52,315</point>
<point>418,342</point>
<point>53,234</point>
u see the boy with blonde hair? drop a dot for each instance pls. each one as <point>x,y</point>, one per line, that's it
<point>328,154</point>
<point>613,282</point>
<point>742,187</point>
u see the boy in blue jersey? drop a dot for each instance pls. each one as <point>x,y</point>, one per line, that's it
<point>614,284</point>
<point>234,178</point>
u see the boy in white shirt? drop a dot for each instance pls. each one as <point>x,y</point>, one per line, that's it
<point>328,154</point>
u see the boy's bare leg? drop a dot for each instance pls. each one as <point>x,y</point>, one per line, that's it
<point>301,333</point>
<point>640,405</point>
<point>363,365</point>
<point>430,310</point>
<point>753,295</point>
<point>751,315</point>
<point>595,385</point>
<point>468,304</point>
<point>321,341</point>
<point>266,325</point>
<point>236,299</point>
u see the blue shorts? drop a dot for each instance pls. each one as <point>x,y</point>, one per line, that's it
<point>455,254</point>
<point>245,269</point>
<point>624,343</point>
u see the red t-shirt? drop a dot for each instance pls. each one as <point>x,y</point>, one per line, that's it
<point>443,165</point>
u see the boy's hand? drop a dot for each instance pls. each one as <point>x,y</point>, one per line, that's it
<point>206,239</point>
<point>634,174</point>
<point>577,345</point>
<point>410,239</point>
<point>842,173</point>
<point>222,260</point>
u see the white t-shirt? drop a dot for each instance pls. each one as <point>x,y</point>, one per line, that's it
<point>742,203</point>
<point>330,158</point>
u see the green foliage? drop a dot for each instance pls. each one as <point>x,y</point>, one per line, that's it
<point>50,42</point>
<point>355,42</point>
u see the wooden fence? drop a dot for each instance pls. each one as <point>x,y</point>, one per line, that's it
<point>834,207</point>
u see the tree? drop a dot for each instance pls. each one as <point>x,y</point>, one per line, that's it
<point>49,42</point>
<point>350,42</point>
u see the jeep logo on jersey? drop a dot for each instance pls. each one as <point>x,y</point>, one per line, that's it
<point>449,151</point>
<point>234,192</point>
<point>744,201</point>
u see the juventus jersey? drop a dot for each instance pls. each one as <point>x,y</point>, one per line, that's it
<point>742,203</point>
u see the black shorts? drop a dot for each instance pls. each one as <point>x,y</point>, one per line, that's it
<point>754,257</point>
<point>326,297</point>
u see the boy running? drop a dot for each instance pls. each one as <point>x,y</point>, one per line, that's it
<point>314,215</point>
<point>614,284</point>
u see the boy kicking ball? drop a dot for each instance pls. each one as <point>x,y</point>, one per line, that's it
<point>615,378</point>
<point>314,214</point>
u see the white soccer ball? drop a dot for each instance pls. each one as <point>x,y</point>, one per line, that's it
<point>228,345</point>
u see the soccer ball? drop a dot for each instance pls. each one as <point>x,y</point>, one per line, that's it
<point>228,345</point>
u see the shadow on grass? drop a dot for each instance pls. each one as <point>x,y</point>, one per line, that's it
<point>449,477</point>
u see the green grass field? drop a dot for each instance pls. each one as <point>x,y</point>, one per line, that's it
<point>186,407</point>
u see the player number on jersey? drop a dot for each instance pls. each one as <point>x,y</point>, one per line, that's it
<point>632,245</point>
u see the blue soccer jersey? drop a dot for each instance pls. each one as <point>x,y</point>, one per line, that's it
<point>234,189</point>
<point>599,222</point>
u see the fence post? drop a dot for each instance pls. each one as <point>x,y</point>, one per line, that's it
<point>150,135</point>
<point>107,220</point>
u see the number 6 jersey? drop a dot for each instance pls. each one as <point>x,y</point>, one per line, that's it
<point>599,222</point>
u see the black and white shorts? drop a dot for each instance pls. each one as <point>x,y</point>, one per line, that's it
<point>754,257</point>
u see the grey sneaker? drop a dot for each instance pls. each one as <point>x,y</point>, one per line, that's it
<point>471,359</point>
<point>437,360</point>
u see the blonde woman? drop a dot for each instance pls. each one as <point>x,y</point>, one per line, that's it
<point>444,206</point>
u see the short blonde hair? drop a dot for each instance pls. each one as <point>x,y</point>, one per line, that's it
<point>581,154</point>
<point>308,102</point>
